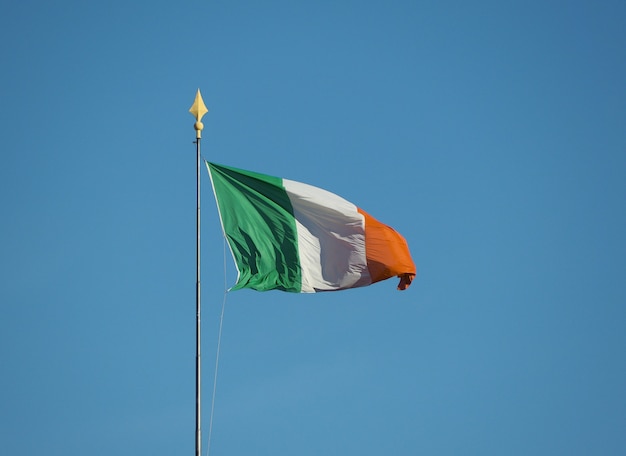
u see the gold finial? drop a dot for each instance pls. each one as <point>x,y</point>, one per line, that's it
<point>198,109</point>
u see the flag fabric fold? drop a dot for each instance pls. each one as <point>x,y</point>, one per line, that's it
<point>290,236</point>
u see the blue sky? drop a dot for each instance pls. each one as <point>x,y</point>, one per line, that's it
<point>492,135</point>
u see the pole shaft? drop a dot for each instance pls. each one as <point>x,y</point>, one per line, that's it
<point>198,370</point>
<point>198,109</point>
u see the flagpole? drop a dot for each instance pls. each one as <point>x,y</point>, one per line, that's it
<point>198,109</point>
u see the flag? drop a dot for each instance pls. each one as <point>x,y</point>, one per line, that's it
<point>291,236</point>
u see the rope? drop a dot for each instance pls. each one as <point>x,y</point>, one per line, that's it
<point>217,356</point>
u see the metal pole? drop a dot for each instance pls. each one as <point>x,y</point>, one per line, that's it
<point>198,369</point>
<point>198,109</point>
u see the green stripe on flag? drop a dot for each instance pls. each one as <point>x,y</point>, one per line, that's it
<point>257,218</point>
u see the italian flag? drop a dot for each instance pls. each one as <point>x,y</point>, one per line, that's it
<point>290,236</point>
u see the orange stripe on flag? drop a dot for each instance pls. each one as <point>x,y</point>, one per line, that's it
<point>387,253</point>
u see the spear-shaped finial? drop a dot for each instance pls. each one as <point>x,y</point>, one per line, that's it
<point>198,109</point>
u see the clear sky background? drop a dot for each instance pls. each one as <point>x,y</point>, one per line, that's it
<point>491,134</point>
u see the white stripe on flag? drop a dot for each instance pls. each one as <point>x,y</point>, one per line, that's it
<point>331,239</point>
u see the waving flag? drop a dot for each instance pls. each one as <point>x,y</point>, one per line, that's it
<point>290,236</point>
